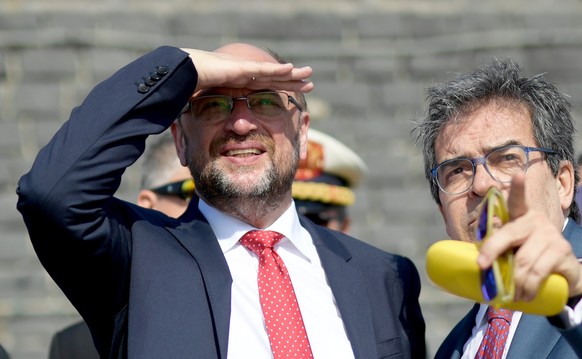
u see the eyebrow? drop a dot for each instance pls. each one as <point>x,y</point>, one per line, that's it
<point>487,151</point>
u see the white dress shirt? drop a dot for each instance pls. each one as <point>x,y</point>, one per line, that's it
<point>247,335</point>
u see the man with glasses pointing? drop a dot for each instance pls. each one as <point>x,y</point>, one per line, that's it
<point>496,128</point>
<point>240,274</point>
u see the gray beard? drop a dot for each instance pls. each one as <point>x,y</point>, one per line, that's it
<point>249,203</point>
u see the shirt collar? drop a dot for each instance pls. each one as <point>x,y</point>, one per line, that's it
<point>565,223</point>
<point>229,230</point>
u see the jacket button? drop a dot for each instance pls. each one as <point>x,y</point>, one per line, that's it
<point>154,76</point>
<point>143,88</point>
<point>149,82</point>
<point>162,70</point>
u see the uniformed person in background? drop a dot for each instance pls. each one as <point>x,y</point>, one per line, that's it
<point>322,190</point>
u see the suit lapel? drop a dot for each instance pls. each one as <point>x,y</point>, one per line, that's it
<point>349,292</point>
<point>533,338</point>
<point>452,346</point>
<point>199,240</point>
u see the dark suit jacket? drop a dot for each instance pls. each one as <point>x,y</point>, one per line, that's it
<point>150,286</point>
<point>73,342</point>
<point>535,337</point>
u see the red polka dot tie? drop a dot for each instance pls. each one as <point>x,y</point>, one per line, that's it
<point>283,319</point>
<point>498,321</point>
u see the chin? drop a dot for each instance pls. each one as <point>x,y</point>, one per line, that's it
<point>462,236</point>
<point>468,238</point>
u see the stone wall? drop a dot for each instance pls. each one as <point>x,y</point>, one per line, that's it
<point>372,62</point>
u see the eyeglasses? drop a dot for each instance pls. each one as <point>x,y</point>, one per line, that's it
<point>456,176</point>
<point>267,104</point>
<point>183,189</point>
<point>497,283</point>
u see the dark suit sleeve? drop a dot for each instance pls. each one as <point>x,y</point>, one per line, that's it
<point>80,231</point>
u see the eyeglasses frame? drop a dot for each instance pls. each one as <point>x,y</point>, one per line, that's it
<point>290,98</point>
<point>483,161</point>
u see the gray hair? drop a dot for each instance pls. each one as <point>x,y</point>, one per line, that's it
<point>501,80</point>
<point>160,160</point>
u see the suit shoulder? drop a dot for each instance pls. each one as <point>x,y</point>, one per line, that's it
<point>361,250</point>
<point>133,213</point>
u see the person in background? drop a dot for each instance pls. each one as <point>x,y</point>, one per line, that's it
<point>166,186</point>
<point>152,286</point>
<point>322,189</point>
<point>497,128</point>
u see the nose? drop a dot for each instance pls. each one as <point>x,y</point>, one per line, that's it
<point>241,120</point>
<point>482,180</point>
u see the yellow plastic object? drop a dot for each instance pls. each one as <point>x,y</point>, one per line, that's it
<point>497,281</point>
<point>452,266</point>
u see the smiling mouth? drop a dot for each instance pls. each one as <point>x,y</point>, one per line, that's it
<point>247,152</point>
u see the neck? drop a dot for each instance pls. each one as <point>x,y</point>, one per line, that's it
<point>257,212</point>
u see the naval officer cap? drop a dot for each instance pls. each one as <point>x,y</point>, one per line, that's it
<point>327,175</point>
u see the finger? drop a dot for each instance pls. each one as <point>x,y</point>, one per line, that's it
<point>303,86</point>
<point>534,261</point>
<point>285,73</point>
<point>273,71</point>
<point>509,236</point>
<point>538,264</point>
<point>516,202</point>
<point>295,80</point>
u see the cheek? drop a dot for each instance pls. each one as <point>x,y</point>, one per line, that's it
<point>542,196</point>
<point>454,216</point>
<point>197,145</point>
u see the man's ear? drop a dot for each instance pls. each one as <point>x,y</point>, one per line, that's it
<point>147,198</point>
<point>303,133</point>
<point>346,225</point>
<point>565,183</point>
<point>179,141</point>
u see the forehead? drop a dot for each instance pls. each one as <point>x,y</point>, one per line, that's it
<point>487,126</point>
<point>246,51</point>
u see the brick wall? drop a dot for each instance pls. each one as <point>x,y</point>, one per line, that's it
<point>372,61</point>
